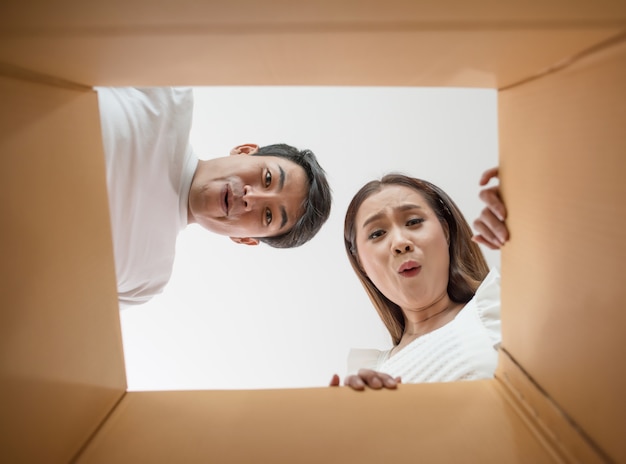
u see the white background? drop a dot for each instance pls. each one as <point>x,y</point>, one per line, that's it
<point>234,316</point>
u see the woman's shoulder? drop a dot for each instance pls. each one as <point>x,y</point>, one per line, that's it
<point>365,358</point>
<point>489,289</point>
<point>486,304</point>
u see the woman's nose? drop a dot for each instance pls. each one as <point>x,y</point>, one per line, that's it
<point>401,243</point>
<point>403,248</point>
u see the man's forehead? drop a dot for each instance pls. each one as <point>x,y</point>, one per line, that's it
<point>285,164</point>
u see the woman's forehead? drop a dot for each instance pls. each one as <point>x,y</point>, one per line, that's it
<point>393,195</point>
<point>390,200</point>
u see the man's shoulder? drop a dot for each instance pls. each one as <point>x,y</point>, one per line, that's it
<point>164,95</point>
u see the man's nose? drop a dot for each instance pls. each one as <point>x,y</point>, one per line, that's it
<point>252,196</point>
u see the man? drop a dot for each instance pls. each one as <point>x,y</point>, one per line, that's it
<point>157,186</point>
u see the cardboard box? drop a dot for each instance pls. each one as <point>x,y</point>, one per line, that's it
<point>561,71</point>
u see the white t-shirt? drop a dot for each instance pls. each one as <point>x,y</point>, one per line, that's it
<point>149,168</point>
<point>463,349</point>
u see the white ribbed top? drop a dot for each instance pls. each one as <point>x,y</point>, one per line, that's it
<point>463,349</point>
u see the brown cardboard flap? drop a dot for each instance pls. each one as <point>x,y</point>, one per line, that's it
<point>62,367</point>
<point>240,16</point>
<point>405,43</point>
<point>563,161</point>
<point>434,423</point>
<point>551,424</point>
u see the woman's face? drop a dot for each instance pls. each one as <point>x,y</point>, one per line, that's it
<point>402,246</point>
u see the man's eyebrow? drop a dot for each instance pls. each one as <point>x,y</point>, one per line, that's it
<point>401,208</point>
<point>281,178</point>
<point>281,184</point>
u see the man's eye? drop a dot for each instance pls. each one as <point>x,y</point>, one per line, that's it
<point>268,216</point>
<point>268,179</point>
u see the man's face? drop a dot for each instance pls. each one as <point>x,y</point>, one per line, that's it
<point>244,196</point>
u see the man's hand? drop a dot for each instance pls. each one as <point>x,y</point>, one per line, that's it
<point>367,378</point>
<point>490,229</point>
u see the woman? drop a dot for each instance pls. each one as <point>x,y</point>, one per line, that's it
<point>414,253</point>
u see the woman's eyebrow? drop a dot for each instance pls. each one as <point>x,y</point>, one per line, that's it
<point>401,208</point>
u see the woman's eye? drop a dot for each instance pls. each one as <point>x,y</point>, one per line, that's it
<point>376,234</point>
<point>268,178</point>
<point>268,216</point>
<point>414,221</point>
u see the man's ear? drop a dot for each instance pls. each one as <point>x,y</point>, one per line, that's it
<point>245,149</point>
<point>245,240</point>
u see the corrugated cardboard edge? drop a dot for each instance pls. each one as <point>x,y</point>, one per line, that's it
<point>571,60</point>
<point>551,424</point>
<point>97,429</point>
<point>39,78</point>
<point>62,370</point>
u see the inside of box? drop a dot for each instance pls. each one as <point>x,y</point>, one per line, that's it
<point>562,157</point>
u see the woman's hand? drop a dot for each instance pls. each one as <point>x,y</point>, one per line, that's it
<point>490,228</point>
<point>367,378</point>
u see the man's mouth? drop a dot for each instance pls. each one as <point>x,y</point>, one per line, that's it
<point>225,199</point>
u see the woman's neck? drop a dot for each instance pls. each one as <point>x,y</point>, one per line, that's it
<point>419,321</point>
